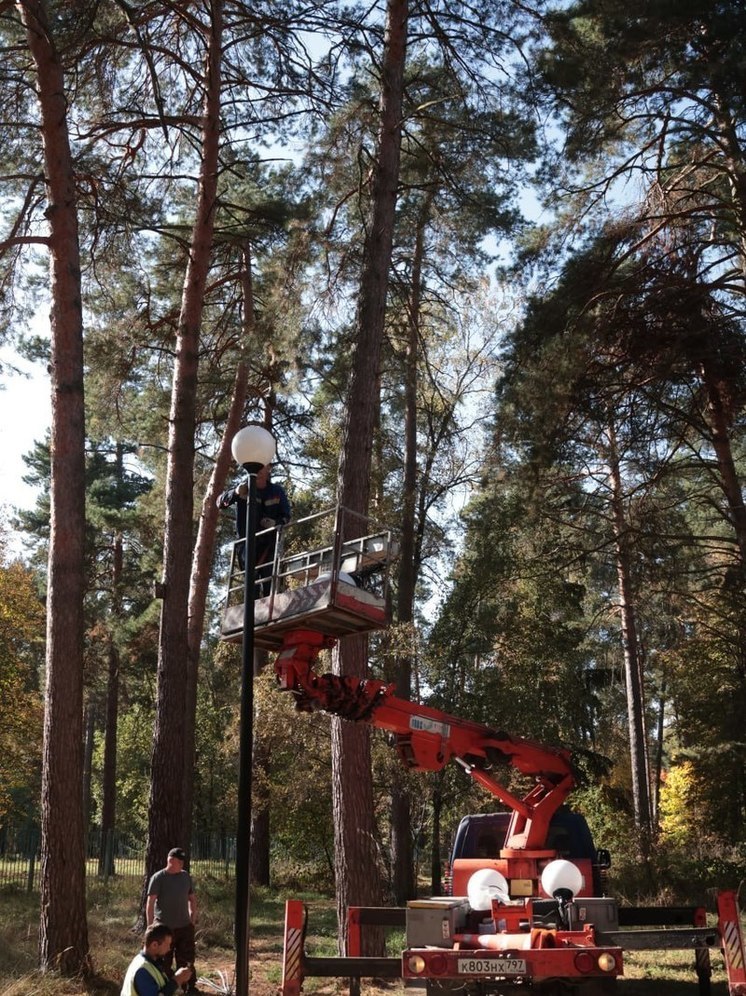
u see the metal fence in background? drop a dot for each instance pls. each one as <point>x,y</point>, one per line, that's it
<point>112,854</point>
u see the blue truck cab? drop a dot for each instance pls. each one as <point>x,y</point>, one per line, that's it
<point>480,838</point>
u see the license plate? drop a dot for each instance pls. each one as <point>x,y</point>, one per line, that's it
<point>491,966</point>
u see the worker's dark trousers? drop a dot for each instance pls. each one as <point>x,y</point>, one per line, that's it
<point>182,951</point>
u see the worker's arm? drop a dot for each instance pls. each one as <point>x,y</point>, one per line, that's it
<point>192,900</point>
<point>150,910</point>
<point>227,498</point>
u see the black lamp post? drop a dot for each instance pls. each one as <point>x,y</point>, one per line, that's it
<point>253,447</point>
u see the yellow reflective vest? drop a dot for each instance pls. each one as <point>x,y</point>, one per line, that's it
<point>138,962</point>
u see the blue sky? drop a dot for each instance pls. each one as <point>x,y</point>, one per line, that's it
<point>25,415</point>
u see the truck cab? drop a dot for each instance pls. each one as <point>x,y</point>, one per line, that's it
<point>480,838</point>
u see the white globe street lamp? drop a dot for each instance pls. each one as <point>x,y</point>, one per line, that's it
<point>253,447</point>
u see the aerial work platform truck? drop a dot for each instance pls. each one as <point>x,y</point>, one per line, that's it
<point>526,914</point>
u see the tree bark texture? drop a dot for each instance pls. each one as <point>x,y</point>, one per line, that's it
<point>733,155</point>
<point>63,933</point>
<point>357,443</point>
<point>436,871</point>
<point>89,726</point>
<point>204,547</point>
<point>402,858</point>
<point>166,825</point>
<point>259,864</point>
<point>109,779</point>
<point>631,650</point>
<point>720,420</point>
<point>357,867</point>
<point>357,864</point>
<point>719,423</point>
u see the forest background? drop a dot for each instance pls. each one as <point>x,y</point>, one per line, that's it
<point>313,217</point>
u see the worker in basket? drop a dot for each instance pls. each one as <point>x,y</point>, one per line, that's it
<point>272,510</point>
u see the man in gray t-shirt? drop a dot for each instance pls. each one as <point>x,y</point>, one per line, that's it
<point>171,900</point>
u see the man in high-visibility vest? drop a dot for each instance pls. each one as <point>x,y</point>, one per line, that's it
<point>146,975</point>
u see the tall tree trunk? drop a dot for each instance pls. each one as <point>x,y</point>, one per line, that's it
<point>719,424</point>
<point>728,131</point>
<point>660,729</point>
<point>89,727</point>
<point>201,573</point>
<point>204,547</point>
<point>166,826</point>
<point>63,929</point>
<point>357,866</point>
<point>404,886</point>
<point>356,863</point>
<point>260,831</point>
<point>109,780</point>
<point>720,417</point>
<point>631,650</point>
<point>436,871</point>
<point>259,868</point>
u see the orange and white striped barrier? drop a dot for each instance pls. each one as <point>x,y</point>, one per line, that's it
<point>731,937</point>
<point>292,961</point>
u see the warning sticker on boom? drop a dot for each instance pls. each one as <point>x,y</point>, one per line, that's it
<point>429,726</point>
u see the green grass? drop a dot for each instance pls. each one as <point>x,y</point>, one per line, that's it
<point>113,912</point>
<point>109,922</point>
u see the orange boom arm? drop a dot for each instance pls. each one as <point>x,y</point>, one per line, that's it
<point>426,739</point>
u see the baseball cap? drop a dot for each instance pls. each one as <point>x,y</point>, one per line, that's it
<point>177,852</point>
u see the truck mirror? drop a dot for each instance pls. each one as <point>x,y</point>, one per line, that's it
<point>603,858</point>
